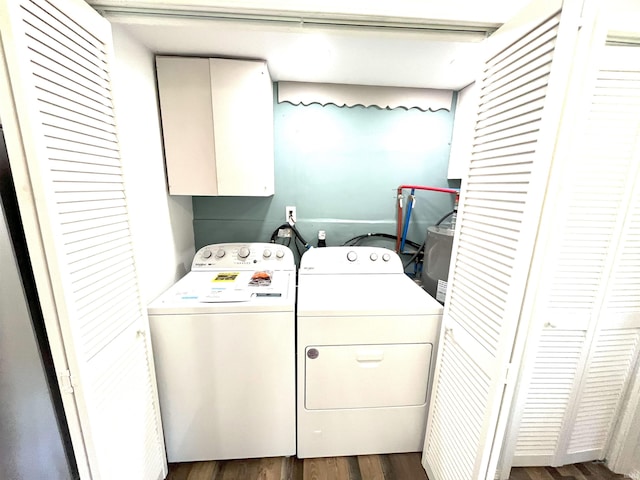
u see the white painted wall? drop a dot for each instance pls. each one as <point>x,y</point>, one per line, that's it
<point>162,225</point>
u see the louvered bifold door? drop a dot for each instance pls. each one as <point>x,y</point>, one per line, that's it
<point>615,116</point>
<point>597,180</point>
<point>523,88</point>
<point>58,57</point>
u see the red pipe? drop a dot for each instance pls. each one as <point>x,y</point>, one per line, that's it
<point>432,189</point>
<point>415,187</point>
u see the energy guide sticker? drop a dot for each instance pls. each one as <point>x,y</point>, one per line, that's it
<point>226,277</point>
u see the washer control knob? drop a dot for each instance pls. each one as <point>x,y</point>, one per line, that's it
<point>279,254</point>
<point>206,253</point>
<point>373,257</point>
<point>244,252</point>
<point>352,256</point>
<point>266,253</point>
<point>220,253</point>
<point>386,257</point>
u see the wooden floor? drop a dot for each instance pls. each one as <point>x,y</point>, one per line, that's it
<point>369,467</point>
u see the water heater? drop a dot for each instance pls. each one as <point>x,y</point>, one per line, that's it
<point>437,256</point>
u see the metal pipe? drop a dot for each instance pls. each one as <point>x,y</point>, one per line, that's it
<point>410,202</point>
<point>400,234</point>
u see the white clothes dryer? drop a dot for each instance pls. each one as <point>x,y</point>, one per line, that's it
<point>223,339</point>
<point>366,340</point>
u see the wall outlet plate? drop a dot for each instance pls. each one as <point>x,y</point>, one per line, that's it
<point>290,215</point>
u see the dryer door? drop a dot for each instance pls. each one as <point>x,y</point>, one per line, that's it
<point>366,376</point>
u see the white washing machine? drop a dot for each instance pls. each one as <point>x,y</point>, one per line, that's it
<point>223,339</point>
<point>366,341</point>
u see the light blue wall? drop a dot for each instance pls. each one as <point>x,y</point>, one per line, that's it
<point>340,167</point>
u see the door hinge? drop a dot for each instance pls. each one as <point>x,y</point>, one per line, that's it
<point>66,384</point>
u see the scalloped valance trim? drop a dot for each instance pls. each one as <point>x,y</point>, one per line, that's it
<point>351,95</point>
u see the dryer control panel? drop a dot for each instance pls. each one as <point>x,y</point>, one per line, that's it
<point>244,256</point>
<point>354,259</point>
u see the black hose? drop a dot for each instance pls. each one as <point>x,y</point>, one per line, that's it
<point>357,239</point>
<point>414,256</point>
<point>298,249</point>
<point>295,231</point>
<point>445,217</point>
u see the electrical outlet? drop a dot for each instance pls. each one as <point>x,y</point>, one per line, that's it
<point>290,215</point>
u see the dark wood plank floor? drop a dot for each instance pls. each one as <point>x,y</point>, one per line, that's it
<point>404,466</point>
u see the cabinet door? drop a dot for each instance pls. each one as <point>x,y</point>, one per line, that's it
<point>242,97</point>
<point>463,131</point>
<point>184,90</point>
<point>63,147</point>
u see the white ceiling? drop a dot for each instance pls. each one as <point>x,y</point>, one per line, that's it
<point>407,43</point>
<point>319,54</point>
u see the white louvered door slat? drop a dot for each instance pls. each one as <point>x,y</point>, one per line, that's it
<point>522,88</point>
<point>58,56</point>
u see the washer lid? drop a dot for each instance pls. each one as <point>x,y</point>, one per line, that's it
<point>228,291</point>
<point>362,294</point>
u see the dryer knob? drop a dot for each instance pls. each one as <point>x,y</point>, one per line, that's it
<point>373,257</point>
<point>220,253</point>
<point>244,252</point>
<point>386,257</point>
<point>279,254</point>
<point>266,253</point>
<point>352,256</point>
<point>206,254</point>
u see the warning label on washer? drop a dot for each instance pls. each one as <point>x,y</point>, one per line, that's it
<point>441,293</point>
<point>226,277</point>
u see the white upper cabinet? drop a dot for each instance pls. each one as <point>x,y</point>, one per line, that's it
<point>217,120</point>
<point>463,131</point>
